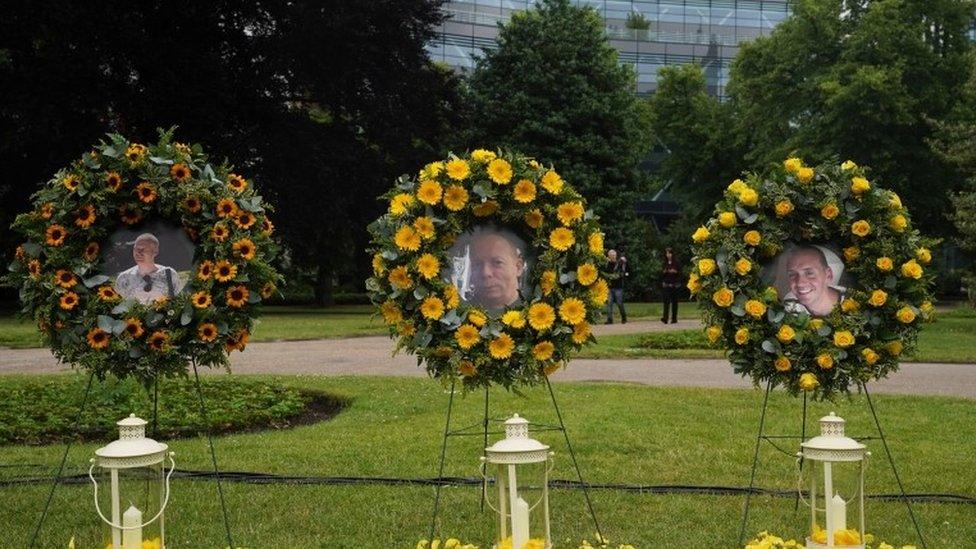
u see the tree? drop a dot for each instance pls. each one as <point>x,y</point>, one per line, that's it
<point>861,80</point>
<point>554,89</point>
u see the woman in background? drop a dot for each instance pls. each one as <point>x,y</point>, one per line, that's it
<point>670,285</point>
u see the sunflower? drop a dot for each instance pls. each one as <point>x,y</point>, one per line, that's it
<point>219,232</point>
<point>561,239</point>
<point>201,299</point>
<point>205,270</point>
<point>548,282</point>
<point>54,235</point>
<point>130,214</point>
<point>91,252</point>
<point>47,210</point>
<point>268,290</point>
<point>133,328</point>
<point>486,208</point>
<point>237,342</point>
<point>226,208</point>
<point>569,212</point>
<point>267,227</point>
<point>400,203</point>
<point>70,182</point>
<point>182,149</point>
<point>400,278</point>
<point>85,216</point>
<point>500,171</point>
<point>501,347</point>
<point>66,279</point>
<point>572,311</point>
<point>581,332</point>
<point>586,274</point>
<point>552,182</point>
<point>236,183</point>
<point>533,218</point>
<point>135,153</point>
<point>244,220</point>
<point>158,341</point>
<point>432,308</point>
<point>237,295</point>
<point>455,197</point>
<point>458,169</point>
<point>424,227</point>
<point>192,204</point>
<point>108,293</point>
<point>69,301</point>
<point>541,316</point>
<point>113,181</point>
<point>207,332</point>
<point>543,350</point>
<point>429,192</point>
<point>180,172</point>
<point>524,191</point>
<point>34,268</point>
<point>244,248</point>
<point>224,271</point>
<point>97,338</point>
<point>467,336</point>
<point>467,368</point>
<point>407,239</point>
<point>391,312</point>
<point>146,192</point>
<point>428,266</point>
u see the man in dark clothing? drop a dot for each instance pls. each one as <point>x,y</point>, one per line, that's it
<point>670,285</point>
<point>616,272</point>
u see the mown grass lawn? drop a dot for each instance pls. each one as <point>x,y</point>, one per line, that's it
<point>623,434</point>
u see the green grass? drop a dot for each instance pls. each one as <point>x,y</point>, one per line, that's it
<point>621,433</point>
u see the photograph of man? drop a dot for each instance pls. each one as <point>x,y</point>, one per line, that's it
<point>812,280</point>
<point>489,265</point>
<point>146,281</point>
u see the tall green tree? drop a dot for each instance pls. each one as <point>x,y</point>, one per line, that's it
<point>862,80</point>
<point>555,89</point>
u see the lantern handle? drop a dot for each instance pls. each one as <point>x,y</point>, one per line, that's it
<point>484,485</point>
<point>172,467</point>
<point>863,470</point>
<point>549,467</point>
<point>799,486</point>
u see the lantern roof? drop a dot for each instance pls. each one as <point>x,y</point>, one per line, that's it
<point>832,444</point>
<point>517,447</point>
<point>132,449</point>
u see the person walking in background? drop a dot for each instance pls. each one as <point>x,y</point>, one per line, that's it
<point>670,285</point>
<point>616,272</point>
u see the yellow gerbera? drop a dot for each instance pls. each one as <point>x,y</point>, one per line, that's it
<point>524,191</point>
<point>379,266</point>
<point>428,266</point>
<point>400,278</point>
<point>500,171</point>
<point>569,212</point>
<point>400,203</point>
<point>533,218</point>
<point>432,308</point>
<point>543,350</point>
<point>458,169</point>
<point>552,182</point>
<point>541,316</point>
<point>429,192</point>
<point>407,239</point>
<point>486,208</point>
<point>581,333</point>
<point>467,336</point>
<point>478,318</point>
<point>572,311</point>
<point>483,155</point>
<point>586,274</point>
<point>561,239</point>
<point>548,282</point>
<point>455,197</point>
<point>595,242</point>
<point>515,319</point>
<point>424,227</point>
<point>452,297</point>
<point>501,347</point>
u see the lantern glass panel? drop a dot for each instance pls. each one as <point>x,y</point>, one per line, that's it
<point>130,497</point>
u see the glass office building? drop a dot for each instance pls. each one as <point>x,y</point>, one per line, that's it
<point>649,34</point>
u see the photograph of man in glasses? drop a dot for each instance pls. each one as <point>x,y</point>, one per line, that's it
<point>146,281</point>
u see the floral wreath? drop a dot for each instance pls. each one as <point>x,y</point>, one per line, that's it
<point>877,318</point>
<point>122,184</point>
<point>460,340</point>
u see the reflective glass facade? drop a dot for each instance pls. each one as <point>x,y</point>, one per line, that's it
<point>677,32</point>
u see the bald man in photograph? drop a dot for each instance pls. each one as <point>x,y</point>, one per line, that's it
<point>497,265</point>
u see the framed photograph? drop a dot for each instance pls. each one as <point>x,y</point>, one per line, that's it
<point>490,266</point>
<point>149,263</point>
<point>809,278</point>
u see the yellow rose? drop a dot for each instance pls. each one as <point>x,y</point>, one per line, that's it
<point>694,283</point>
<point>825,361</point>
<point>911,269</point>
<point>755,308</point>
<point>843,339</point>
<point>752,238</point>
<point>785,334</point>
<point>905,315</point>
<point>923,255</point>
<point>850,305</point>
<point>749,197</point>
<point>727,219</point>
<point>742,336</point>
<point>706,266</point>
<point>861,228</point>
<point>743,266</point>
<point>848,165</point>
<point>878,298</point>
<point>701,234</point>
<point>713,333</point>
<point>783,208</point>
<point>927,308</point>
<point>792,164</point>
<point>829,211</point>
<point>723,297</point>
<point>884,263</point>
<point>895,347</point>
<point>804,175</point>
<point>870,357</point>
<point>808,382</point>
<point>898,223</point>
<point>859,185</point>
<point>852,253</point>
<point>782,364</point>
<point>737,186</point>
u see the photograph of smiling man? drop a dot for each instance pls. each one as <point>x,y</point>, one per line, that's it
<point>809,278</point>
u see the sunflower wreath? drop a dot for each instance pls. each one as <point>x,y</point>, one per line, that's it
<point>460,339</point>
<point>122,184</point>
<point>876,318</point>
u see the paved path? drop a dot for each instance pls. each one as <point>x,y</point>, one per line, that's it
<point>371,356</point>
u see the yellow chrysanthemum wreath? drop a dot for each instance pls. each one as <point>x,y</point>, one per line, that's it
<point>459,340</point>
<point>122,184</point>
<point>876,319</point>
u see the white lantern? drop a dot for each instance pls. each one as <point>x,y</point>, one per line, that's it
<point>840,461</point>
<point>139,482</point>
<point>513,456</point>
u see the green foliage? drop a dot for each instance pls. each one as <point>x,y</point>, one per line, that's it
<point>679,339</point>
<point>637,21</point>
<point>43,410</point>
